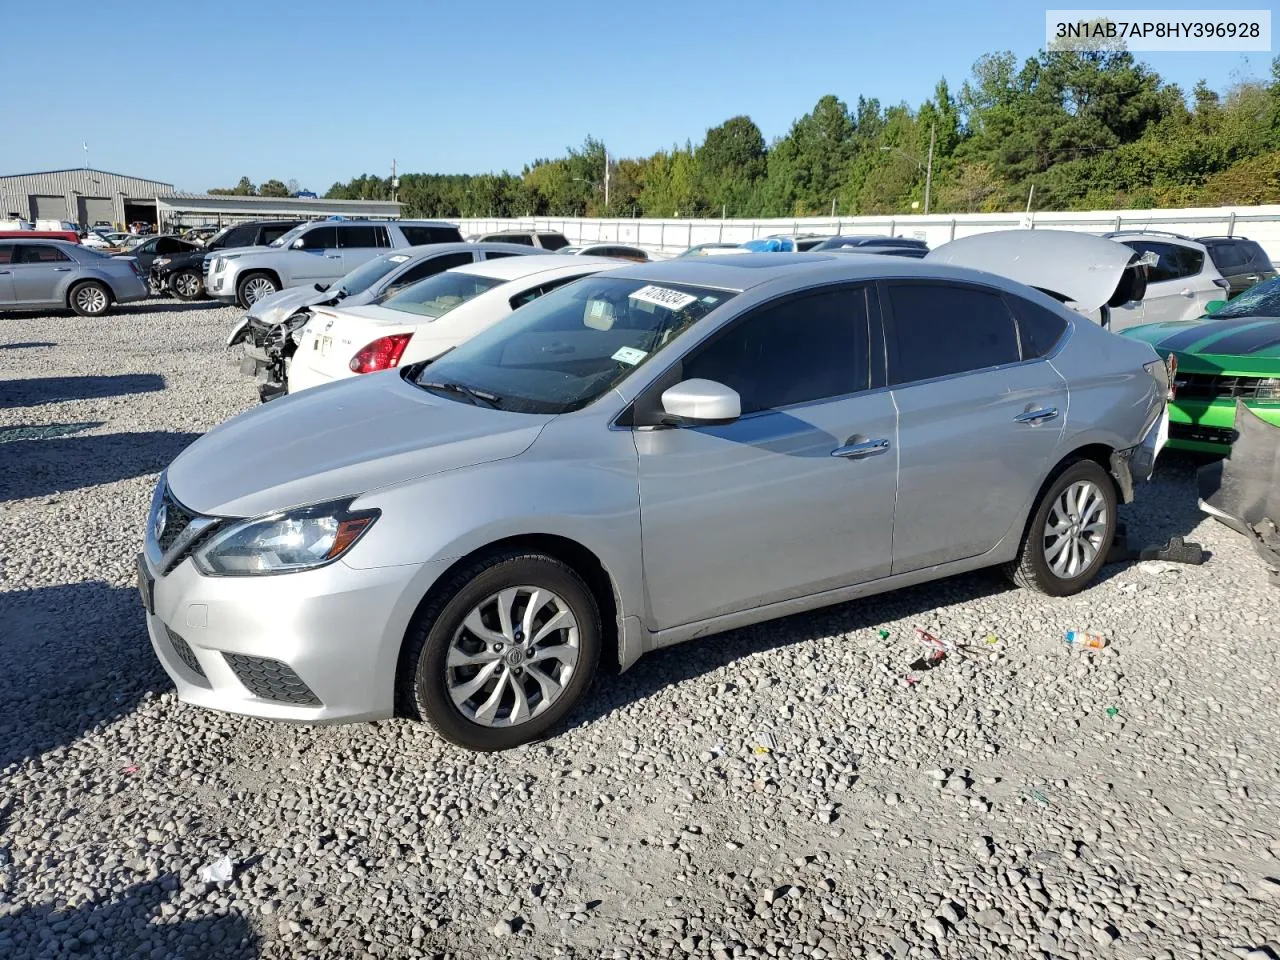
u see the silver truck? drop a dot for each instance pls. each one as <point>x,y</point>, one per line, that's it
<point>320,251</point>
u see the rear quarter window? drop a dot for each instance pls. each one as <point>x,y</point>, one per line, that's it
<point>552,241</point>
<point>1039,328</point>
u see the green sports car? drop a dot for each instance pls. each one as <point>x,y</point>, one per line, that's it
<point>1230,354</point>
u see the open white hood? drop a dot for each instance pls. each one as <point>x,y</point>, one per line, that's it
<point>1086,270</point>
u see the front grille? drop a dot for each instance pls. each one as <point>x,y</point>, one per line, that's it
<point>1202,434</point>
<point>177,517</point>
<point>1211,386</point>
<point>271,680</point>
<point>185,653</point>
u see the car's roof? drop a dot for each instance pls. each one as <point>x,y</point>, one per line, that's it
<point>796,271</point>
<point>1176,239</point>
<point>514,268</point>
<point>422,250</point>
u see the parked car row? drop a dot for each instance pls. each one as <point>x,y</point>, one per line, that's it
<point>591,470</point>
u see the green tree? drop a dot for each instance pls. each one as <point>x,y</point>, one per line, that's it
<point>729,164</point>
<point>244,188</point>
<point>273,188</point>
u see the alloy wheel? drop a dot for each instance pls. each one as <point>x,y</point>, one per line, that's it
<point>91,299</point>
<point>512,657</point>
<point>1075,529</point>
<point>187,284</point>
<point>257,288</point>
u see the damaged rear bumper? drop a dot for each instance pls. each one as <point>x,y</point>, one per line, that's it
<point>1243,491</point>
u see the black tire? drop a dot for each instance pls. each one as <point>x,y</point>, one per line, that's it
<point>424,691</point>
<point>90,298</point>
<point>1032,568</point>
<point>253,276</point>
<point>189,280</point>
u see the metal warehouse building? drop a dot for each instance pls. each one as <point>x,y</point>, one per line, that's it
<point>83,195</point>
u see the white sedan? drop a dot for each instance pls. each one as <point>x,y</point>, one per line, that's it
<point>426,319</point>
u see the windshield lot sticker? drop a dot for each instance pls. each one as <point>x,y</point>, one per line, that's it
<point>663,297</point>
<point>629,355</point>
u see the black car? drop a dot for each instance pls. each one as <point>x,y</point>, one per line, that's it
<point>182,274</point>
<point>163,246</point>
<point>1241,261</point>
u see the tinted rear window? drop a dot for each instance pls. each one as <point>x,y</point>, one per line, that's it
<point>417,236</point>
<point>940,329</point>
<point>552,241</point>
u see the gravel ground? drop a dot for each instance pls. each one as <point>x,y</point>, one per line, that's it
<point>777,791</point>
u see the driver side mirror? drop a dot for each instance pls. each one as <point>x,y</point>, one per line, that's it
<point>697,402</point>
<point>321,287</point>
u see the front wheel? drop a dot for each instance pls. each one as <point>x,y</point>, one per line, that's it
<point>1069,536</point>
<point>254,287</point>
<point>187,284</point>
<point>503,652</point>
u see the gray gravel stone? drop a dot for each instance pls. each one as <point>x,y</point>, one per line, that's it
<point>647,827</point>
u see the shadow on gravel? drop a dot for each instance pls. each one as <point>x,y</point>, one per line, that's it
<point>125,926</point>
<point>71,657</point>
<point>697,657</point>
<point>28,345</point>
<point>35,391</point>
<point>1166,506</point>
<point>39,467</point>
<point>171,306</point>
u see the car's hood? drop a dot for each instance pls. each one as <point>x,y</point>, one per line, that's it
<point>1249,340</point>
<point>1079,267</point>
<point>284,303</point>
<point>240,251</point>
<point>337,440</point>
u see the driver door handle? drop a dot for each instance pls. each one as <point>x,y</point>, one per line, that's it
<point>61,269</point>
<point>859,451</point>
<point>1037,416</point>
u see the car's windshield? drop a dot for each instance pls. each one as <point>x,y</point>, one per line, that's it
<point>288,238</point>
<point>566,348</point>
<point>1260,300</point>
<point>436,296</point>
<point>366,275</point>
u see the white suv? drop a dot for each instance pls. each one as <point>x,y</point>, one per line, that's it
<point>1181,283</point>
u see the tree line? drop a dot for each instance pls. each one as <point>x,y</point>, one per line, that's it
<point>247,188</point>
<point>1086,129</point>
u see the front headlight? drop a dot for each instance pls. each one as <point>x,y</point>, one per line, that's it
<point>160,261</point>
<point>285,542</point>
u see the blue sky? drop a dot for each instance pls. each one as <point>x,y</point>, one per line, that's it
<point>199,94</point>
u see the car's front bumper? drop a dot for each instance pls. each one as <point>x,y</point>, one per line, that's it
<point>1209,426</point>
<point>221,285</point>
<point>318,646</point>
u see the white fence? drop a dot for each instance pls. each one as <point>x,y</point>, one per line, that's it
<point>1260,223</point>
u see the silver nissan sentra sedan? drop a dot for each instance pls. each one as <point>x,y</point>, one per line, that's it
<point>644,456</point>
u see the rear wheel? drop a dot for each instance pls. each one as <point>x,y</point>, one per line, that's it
<point>253,287</point>
<point>1069,536</point>
<point>503,652</point>
<point>90,299</point>
<point>187,284</point>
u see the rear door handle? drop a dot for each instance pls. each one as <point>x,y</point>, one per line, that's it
<point>1037,416</point>
<point>1253,277</point>
<point>1186,292</point>
<point>861,450</point>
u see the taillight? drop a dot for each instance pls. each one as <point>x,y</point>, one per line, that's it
<point>383,354</point>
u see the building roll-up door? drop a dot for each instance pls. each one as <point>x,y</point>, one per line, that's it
<point>93,209</point>
<point>48,208</point>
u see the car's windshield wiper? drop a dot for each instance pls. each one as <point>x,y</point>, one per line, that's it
<point>475,396</point>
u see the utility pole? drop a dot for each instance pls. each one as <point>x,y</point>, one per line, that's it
<point>928,177</point>
<point>606,182</point>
